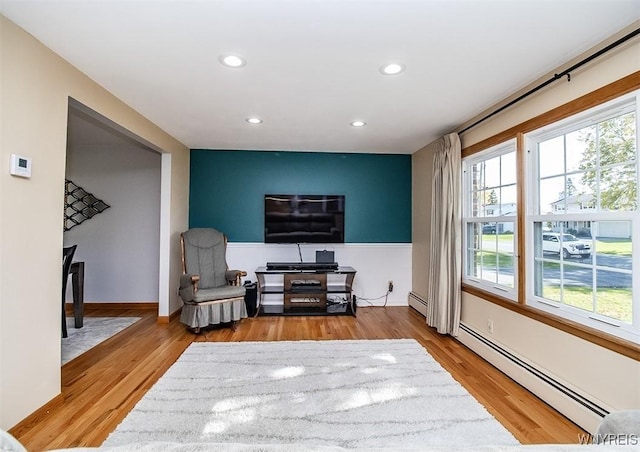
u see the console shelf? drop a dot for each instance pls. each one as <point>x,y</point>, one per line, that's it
<point>305,292</point>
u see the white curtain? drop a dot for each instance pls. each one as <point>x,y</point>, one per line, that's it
<point>444,282</point>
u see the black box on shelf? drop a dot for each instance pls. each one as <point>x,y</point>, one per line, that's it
<point>325,257</point>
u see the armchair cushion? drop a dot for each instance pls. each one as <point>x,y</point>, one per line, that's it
<point>204,255</point>
<point>218,293</point>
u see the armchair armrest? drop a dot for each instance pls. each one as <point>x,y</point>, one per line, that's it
<point>188,286</point>
<point>234,277</point>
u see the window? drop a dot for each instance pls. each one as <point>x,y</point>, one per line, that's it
<point>489,219</point>
<point>583,218</point>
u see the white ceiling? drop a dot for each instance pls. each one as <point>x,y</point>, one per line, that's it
<point>313,66</point>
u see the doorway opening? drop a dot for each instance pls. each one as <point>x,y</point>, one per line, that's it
<point>122,248</point>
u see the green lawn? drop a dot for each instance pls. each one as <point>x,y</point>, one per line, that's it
<point>501,238</point>
<point>617,247</point>
<point>489,259</point>
<point>614,303</point>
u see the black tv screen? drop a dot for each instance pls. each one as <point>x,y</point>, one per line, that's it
<point>304,218</point>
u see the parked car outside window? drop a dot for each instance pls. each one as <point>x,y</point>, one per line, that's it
<point>489,229</point>
<point>567,244</point>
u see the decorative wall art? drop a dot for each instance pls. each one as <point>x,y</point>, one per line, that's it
<point>79,205</point>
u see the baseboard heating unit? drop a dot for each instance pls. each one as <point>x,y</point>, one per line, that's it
<point>418,303</point>
<point>575,406</point>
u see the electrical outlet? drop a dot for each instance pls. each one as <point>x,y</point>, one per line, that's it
<point>390,288</point>
<point>490,326</point>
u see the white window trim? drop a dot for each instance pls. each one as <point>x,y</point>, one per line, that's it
<point>494,288</point>
<point>619,106</point>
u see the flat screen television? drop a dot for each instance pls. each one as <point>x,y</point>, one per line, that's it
<point>304,218</point>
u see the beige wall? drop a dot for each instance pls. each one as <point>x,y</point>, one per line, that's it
<point>421,175</point>
<point>35,85</point>
<point>604,376</point>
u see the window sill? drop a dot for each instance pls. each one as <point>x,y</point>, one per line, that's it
<point>608,341</point>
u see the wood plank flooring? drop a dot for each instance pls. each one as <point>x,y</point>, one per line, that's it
<point>101,386</point>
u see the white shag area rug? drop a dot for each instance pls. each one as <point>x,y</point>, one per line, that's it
<point>351,394</point>
<point>93,331</point>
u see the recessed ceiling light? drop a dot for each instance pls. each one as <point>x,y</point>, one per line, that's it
<point>232,60</point>
<point>392,68</point>
<point>358,123</point>
<point>254,120</point>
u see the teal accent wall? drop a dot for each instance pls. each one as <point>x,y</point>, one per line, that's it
<point>227,190</point>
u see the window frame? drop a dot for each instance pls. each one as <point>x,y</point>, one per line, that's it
<point>623,104</point>
<point>605,93</point>
<point>497,150</point>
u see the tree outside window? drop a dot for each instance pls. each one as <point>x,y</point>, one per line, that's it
<point>587,210</point>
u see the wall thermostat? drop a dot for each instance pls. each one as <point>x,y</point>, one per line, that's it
<point>20,166</point>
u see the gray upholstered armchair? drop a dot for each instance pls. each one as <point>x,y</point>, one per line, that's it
<point>211,293</point>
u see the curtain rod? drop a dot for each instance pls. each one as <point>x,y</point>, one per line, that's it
<point>555,77</point>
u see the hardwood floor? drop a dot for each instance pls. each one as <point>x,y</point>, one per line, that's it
<point>100,387</point>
